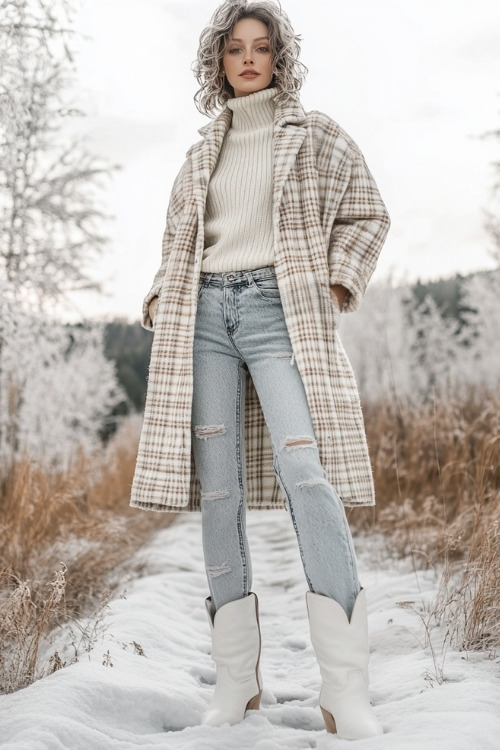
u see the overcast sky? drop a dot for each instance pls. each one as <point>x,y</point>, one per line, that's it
<point>414,83</point>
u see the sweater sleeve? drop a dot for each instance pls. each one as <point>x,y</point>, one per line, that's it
<point>358,232</point>
<point>174,212</point>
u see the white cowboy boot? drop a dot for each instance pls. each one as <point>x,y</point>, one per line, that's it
<point>341,648</point>
<point>236,653</point>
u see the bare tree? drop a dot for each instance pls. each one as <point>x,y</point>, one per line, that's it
<point>492,216</point>
<point>53,396</point>
<point>49,183</point>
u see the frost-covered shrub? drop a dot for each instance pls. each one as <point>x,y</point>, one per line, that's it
<point>481,339</point>
<point>401,349</point>
<point>57,389</point>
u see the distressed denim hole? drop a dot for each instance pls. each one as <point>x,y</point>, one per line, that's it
<point>290,444</point>
<point>312,483</point>
<point>212,430</point>
<point>214,571</point>
<point>216,495</point>
<point>286,355</point>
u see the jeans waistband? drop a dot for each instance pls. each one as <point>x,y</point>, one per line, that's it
<point>228,278</point>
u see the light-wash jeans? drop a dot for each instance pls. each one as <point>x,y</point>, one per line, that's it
<point>240,324</point>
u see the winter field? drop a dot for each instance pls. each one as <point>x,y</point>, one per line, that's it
<point>81,668</point>
<point>105,642</point>
<point>148,677</point>
<point>103,631</point>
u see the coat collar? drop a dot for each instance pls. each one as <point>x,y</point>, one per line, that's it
<point>289,133</point>
<point>285,113</point>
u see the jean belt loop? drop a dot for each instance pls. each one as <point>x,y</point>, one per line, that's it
<point>249,278</point>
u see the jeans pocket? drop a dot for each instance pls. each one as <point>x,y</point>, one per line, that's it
<point>267,288</point>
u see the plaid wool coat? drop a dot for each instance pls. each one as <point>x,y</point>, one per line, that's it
<point>329,226</point>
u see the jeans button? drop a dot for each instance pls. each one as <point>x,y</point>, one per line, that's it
<point>230,278</point>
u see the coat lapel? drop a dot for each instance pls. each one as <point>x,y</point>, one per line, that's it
<point>204,157</point>
<point>289,134</point>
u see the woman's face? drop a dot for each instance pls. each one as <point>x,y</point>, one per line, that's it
<point>247,60</point>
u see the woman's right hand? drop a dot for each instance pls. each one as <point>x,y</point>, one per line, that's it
<point>152,308</point>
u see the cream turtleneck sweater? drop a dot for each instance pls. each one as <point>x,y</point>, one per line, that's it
<point>238,211</point>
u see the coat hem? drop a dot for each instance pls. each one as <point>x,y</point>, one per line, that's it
<point>161,508</point>
<point>158,508</point>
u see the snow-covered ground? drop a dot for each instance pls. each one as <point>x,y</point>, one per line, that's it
<point>149,677</point>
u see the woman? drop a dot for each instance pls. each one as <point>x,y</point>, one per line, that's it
<point>274,226</point>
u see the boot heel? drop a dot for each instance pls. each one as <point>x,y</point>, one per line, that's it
<point>254,703</point>
<point>329,721</point>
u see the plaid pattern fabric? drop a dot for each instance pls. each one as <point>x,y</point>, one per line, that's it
<point>329,227</point>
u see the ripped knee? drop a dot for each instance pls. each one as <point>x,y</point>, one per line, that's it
<point>303,441</point>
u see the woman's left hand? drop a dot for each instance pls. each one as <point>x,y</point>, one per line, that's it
<point>339,293</point>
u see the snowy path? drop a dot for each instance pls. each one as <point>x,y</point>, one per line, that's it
<point>156,701</point>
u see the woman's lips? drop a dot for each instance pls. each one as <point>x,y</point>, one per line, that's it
<point>249,74</point>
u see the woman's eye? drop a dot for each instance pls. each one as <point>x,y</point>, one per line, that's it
<point>233,50</point>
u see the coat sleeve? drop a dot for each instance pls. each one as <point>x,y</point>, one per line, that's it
<point>174,212</point>
<point>358,232</point>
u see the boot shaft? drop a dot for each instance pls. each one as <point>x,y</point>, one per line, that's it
<point>335,639</point>
<point>236,635</point>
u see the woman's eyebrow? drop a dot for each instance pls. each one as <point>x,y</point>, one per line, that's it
<point>259,38</point>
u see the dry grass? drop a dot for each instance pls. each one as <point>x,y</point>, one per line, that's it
<point>66,539</point>
<point>62,535</point>
<point>437,477</point>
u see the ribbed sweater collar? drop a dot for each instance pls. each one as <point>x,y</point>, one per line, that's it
<point>254,111</point>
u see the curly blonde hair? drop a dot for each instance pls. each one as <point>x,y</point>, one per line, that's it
<point>288,71</point>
